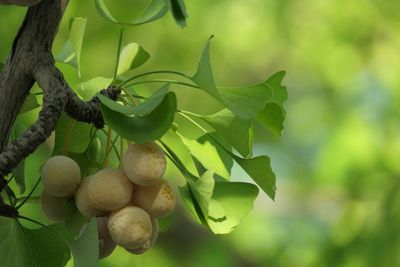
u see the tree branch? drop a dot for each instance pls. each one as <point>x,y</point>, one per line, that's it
<point>88,111</point>
<point>31,60</point>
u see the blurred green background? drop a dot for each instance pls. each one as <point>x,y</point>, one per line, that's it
<point>337,163</point>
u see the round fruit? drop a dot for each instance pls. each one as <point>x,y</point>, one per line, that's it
<point>60,176</point>
<point>158,200</point>
<point>130,227</point>
<point>109,189</point>
<point>106,244</point>
<point>144,164</point>
<point>149,243</point>
<point>83,203</point>
<point>53,207</point>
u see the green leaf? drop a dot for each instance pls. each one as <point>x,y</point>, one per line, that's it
<point>71,52</point>
<point>259,169</point>
<point>156,10</point>
<point>104,12</point>
<point>144,128</point>
<point>164,223</point>
<point>223,204</point>
<point>19,175</point>
<point>237,131</point>
<point>76,32</point>
<point>172,140</point>
<point>230,202</point>
<point>245,101</point>
<point>117,58</point>
<point>23,247</point>
<point>186,191</point>
<point>262,101</point>
<point>143,108</point>
<point>30,103</point>
<point>210,154</point>
<point>204,75</point>
<point>96,150</point>
<point>91,87</point>
<point>1,66</point>
<point>273,114</point>
<point>272,117</point>
<point>79,139</point>
<point>202,190</point>
<point>131,57</point>
<point>87,164</point>
<point>179,12</point>
<point>67,55</point>
<point>191,204</point>
<point>85,250</point>
<point>217,205</point>
<point>74,220</point>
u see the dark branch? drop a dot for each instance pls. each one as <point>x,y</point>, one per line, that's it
<point>31,60</point>
<point>53,104</point>
<point>88,111</point>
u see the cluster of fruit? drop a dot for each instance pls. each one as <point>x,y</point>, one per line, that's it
<point>127,202</point>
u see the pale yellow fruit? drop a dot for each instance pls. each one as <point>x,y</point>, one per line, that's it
<point>149,243</point>
<point>106,244</point>
<point>144,164</point>
<point>61,176</point>
<point>158,200</point>
<point>53,207</point>
<point>130,227</point>
<point>109,189</point>
<point>83,203</point>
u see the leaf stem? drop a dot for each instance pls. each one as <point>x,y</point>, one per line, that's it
<point>178,163</point>
<point>27,238</point>
<point>121,152</point>
<point>108,147</point>
<point>10,195</point>
<point>136,96</point>
<point>113,144</point>
<point>29,195</point>
<point>92,136</point>
<point>155,72</point>
<point>131,98</point>
<point>121,34</point>
<point>68,136</point>
<point>165,81</point>
<point>33,221</point>
<point>10,179</point>
<point>182,113</point>
<point>33,200</point>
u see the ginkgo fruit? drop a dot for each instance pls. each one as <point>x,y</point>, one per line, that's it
<point>83,203</point>
<point>109,189</point>
<point>130,227</point>
<point>61,176</point>
<point>144,164</point>
<point>106,243</point>
<point>158,200</point>
<point>150,242</point>
<point>53,207</point>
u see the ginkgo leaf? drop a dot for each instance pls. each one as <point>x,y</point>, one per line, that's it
<point>155,10</point>
<point>23,247</point>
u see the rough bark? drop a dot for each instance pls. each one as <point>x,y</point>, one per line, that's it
<point>31,61</point>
